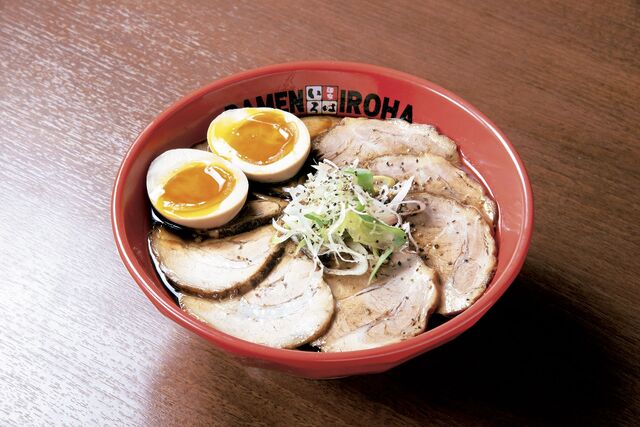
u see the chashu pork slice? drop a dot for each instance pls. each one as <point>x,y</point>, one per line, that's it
<point>255,213</point>
<point>216,267</point>
<point>395,307</point>
<point>365,139</point>
<point>291,307</point>
<point>317,125</point>
<point>455,241</point>
<point>345,286</point>
<point>436,175</point>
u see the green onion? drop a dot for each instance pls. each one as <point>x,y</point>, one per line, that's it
<point>372,232</point>
<point>300,245</point>
<point>364,178</point>
<point>386,180</point>
<point>319,220</point>
<point>381,261</point>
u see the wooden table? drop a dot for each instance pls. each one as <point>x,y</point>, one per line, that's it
<point>81,345</point>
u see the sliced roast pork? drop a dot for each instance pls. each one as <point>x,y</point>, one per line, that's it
<point>256,212</point>
<point>292,306</point>
<point>455,241</point>
<point>216,268</point>
<point>317,125</point>
<point>365,139</point>
<point>395,307</point>
<point>345,286</point>
<point>436,175</point>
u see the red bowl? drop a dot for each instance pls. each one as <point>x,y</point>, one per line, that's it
<point>350,89</point>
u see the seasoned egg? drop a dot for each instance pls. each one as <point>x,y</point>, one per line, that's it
<point>195,188</point>
<point>269,145</point>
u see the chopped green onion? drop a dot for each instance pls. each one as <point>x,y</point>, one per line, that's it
<point>383,180</point>
<point>369,231</point>
<point>379,263</point>
<point>364,178</point>
<point>300,245</point>
<point>319,220</point>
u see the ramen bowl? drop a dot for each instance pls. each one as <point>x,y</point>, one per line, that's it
<point>342,89</point>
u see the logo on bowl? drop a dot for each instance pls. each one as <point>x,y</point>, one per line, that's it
<point>321,99</point>
<point>328,99</point>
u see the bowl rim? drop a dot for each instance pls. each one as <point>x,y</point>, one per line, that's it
<point>430,338</point>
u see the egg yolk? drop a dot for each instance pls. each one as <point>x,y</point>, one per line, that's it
<point>262,138</point>
<point>196,189</point>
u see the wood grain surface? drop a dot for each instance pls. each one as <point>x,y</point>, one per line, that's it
<point>81,345</point>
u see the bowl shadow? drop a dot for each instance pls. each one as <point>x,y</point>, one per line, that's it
<point>530,360</point>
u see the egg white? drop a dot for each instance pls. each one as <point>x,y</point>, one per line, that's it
<point>168,163</point>
<point>278,171</point>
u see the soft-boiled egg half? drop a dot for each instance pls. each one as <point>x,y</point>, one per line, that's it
<point>196,188</point>
<point>268,144</point>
